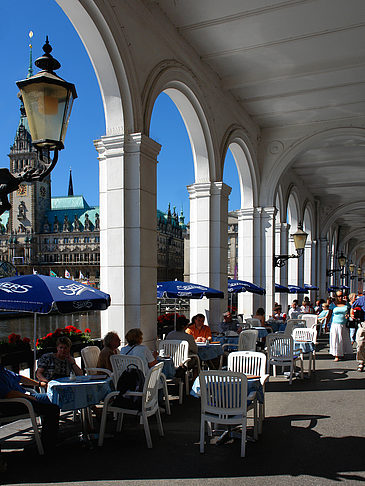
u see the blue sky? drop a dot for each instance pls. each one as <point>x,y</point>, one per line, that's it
<point>44,17</point>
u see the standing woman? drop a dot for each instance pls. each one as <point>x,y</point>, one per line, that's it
<point>340,343</point>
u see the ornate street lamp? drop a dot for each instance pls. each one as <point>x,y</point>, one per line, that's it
<point>300,239</point>
<point>341,261</point>
<point>48,102</point>
<point>352,267</point>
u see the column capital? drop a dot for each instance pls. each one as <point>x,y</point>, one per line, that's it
<point>204,189</point>
<point>121,143</point>
<point>269,212</point>
<point>245,214</point>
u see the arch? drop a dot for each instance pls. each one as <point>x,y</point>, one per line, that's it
<point>338,212</point>
<point>358,232</point>
<point>279,204</point>
<point>292,205</point>
<point>271,175</point>
<point>308,220</point>
<point>181,86</point>
<point>237,140</point>
<point>122,110</point>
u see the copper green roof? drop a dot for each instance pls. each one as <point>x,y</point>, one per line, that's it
<point>69,202</point>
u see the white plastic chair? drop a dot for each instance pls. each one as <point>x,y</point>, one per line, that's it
<point>254,364</point>
<point>280,352</point>
<point>308,336</point>
<point>247,340</point>
<point>179,352</point>
<point>120,362</point>
<point>310,319</point>
<point>253,322</point>
<point>224,401</point>
<point>90,356</point>
<point>150,406</point>
<point>29,413</point>
<point>293,324</point>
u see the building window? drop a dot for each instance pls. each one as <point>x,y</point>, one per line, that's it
<point>46,240</point>
<point>65,240</point>
<point>76,240</point>
<point>97,239</point>
<point>87,240</point>
<point>55,241</point>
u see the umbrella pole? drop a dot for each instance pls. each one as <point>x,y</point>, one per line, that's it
<point>34,343</point>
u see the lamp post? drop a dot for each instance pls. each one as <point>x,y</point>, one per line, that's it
<point>48,102</point>
<point>300,239</point>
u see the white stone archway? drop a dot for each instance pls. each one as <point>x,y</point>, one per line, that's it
<point>239,144</point>
<point>208,195</point>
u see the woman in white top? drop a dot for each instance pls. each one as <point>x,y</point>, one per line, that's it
<point>134,338</point>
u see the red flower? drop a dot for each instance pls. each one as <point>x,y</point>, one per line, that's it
<point>26,340</point>
<point>87,330</point>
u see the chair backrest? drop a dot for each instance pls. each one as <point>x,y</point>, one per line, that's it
<point>310,319</point>
<point>150,389</point>
<point>253,322</point>
<point>280,347</point>
<point>247,362</point>
<point>223,392</point>
<point>247,340</point>
<point>177,350</point>
<point>120,363</point>
<point>90,356</point>
<point>305,334</point>
<point>293,324</point>
<point>239,319</point>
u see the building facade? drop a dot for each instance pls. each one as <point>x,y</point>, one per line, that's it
<point>61,235</point>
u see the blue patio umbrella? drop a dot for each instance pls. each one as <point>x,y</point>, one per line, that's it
<point>40,294</point>
<point>295,289</point>
<point>281,289</point>
<point>175,289</point>
<point>333,288</point>
<point>311,287</point>
<point>236,285</point>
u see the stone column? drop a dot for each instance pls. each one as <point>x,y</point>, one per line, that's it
<point>267,255</point>
<point>128,240</point>
<point>284,235</point>
<point>209,245</point>
<point>246,257</point>
<point>322,283</point>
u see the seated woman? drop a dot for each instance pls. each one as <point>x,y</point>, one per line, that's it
<point>260,315</point>
<point>199,330</point>
<point>134,338</point>
<point>59,364</point>
<point>111,343</point>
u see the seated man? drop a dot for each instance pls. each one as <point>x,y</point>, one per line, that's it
<point>10,387</point>
<point>180,334</point>
<point>228,324</point>
<point>294,310</point>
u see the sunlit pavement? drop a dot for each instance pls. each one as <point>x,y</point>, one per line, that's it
<point>313,435</point>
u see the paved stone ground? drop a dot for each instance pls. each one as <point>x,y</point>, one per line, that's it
<point>313,435</point>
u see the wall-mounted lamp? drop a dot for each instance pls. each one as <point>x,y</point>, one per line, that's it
<point>300,239</point>
<point>341,261</point>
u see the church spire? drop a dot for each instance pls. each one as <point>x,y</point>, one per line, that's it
<point>70,186</point>
<point>30,68</point>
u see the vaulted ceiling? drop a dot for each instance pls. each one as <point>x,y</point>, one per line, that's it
<point>292,63</point>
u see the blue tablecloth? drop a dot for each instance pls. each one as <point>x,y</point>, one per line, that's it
<point>252,385</point>
<point>73,395</point>
<point>168,367</point>
<point>304,347</point>
<point>262,332</point>
<point>209,351</point>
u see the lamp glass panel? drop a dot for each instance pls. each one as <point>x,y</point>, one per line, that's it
<point>300,238</point>
<point>342,260</point>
